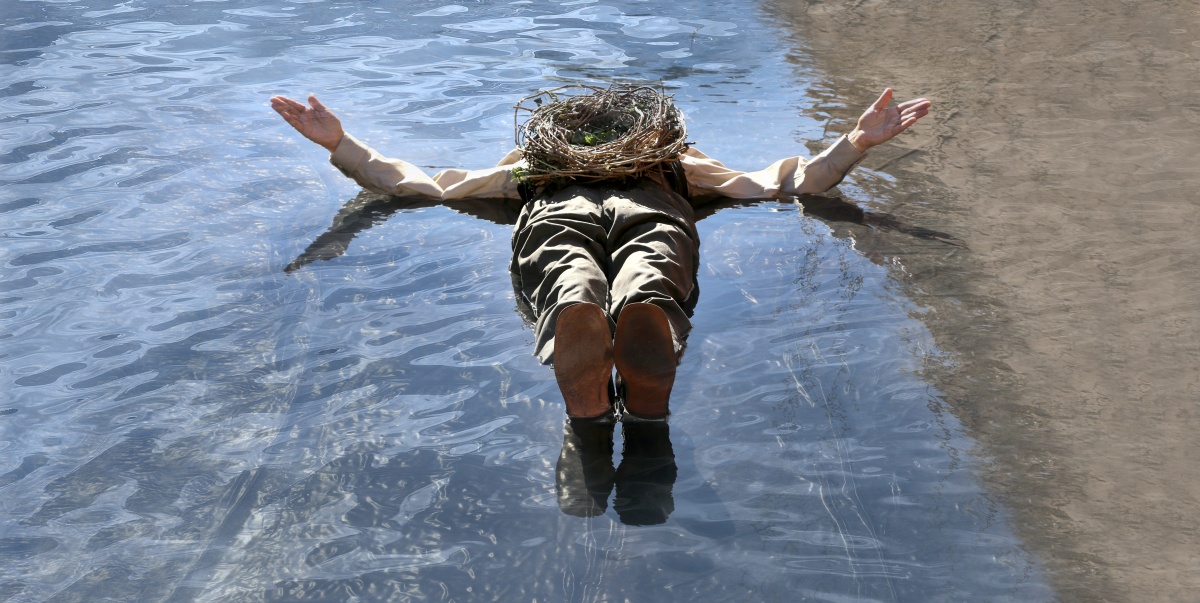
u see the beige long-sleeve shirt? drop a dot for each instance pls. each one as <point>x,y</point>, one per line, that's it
<point>706,177</point>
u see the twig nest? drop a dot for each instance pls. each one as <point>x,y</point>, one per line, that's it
<point>597,133</point>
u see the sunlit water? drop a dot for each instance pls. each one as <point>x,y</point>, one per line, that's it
<point>187,421</point>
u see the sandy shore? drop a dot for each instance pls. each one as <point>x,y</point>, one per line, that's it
<point>1063,151</point>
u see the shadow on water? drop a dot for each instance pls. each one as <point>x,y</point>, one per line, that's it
<point>368,209</point>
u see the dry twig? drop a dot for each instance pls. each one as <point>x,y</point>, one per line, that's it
<point>599,134</point>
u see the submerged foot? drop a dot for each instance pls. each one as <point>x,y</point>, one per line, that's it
<point>644,354</point>
<point>583,360</point>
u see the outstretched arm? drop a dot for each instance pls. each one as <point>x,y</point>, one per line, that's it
<point>880,123</point>
<point>391,176</point>
<point>796,175</point>
<point>314,121</point>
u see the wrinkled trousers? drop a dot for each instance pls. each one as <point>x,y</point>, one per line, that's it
<point>610,248</point>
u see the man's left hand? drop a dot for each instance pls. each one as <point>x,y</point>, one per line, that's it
<point>880,123</point>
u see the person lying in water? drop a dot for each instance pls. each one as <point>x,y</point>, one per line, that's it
<point>608,267</point>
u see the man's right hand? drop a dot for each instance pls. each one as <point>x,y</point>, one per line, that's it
<point>314,121</point>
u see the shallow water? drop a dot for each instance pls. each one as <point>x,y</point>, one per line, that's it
<point>1063,152</point>
<point>188,421</point>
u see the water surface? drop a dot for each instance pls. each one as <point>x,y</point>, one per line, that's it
<point>1063,153</point>
<point>231,378</point>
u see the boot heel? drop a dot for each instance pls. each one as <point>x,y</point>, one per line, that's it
<point>644,355</point>
<point>583,360</point>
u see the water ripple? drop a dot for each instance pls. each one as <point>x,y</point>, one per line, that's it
<point>163,242</point>
<point>189,421</point>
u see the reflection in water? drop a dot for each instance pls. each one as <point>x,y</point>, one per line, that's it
<point>368,209</point>
<point>585,478</point>
<point>646,475</point>
<point>584,474</point>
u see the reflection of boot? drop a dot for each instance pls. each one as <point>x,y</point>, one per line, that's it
<point>583,360</point>
<point>646,476</point>
<point>645,358</point>
<point>584,474</point>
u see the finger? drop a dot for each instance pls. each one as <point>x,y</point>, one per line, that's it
<point>287,107</point>
<point>883,101</point>
<point>908,121</point>
<point>282,109</point>
<point>915,113</point>
<point>916,102</point>
<point>294,105</point>
<point>919,111</point>
<point>291,119</point>
<point>316,103</point>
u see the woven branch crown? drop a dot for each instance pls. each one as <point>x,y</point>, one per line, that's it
<point>597,133</point>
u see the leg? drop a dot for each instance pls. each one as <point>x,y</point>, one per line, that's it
<point>560,259</point>
<point>654,252</point>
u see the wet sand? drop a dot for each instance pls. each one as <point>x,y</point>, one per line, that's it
<point>1063,152</point>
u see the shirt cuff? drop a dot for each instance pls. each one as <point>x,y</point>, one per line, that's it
<point>843,156</point>
<point>350,155</point>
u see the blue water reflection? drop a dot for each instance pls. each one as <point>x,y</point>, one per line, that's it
<point>187,420</point>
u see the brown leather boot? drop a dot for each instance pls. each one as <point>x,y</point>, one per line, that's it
<point>583,360</point>
<point>645,357</point>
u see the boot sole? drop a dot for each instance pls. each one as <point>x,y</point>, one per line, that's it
<point>644,355</point>
<point>583,360</point>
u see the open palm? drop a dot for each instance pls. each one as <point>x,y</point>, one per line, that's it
<point>314,121</point>
<point>880,123</point>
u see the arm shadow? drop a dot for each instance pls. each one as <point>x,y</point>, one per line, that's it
<point>833,210</point>
<point>368,209</point>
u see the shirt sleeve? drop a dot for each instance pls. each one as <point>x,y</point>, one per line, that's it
<point>396,177</point>
<point>791,176</point>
